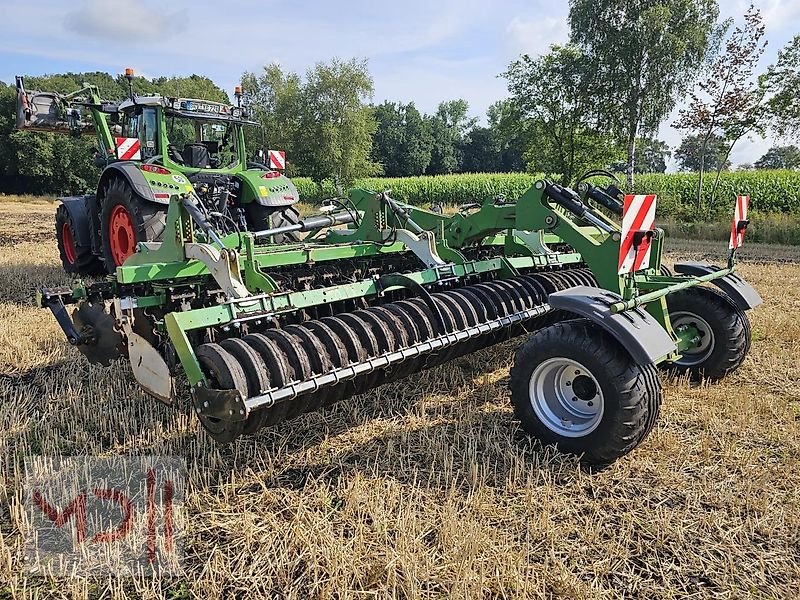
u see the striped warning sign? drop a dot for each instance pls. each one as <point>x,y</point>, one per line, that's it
<point>128,148</point>
<point>277,159</point>
<point>638,221</point>
<point>739,226</point>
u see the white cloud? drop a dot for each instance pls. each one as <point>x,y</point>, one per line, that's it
<point>535,36</point>
<point>123,20</point>
<point>779,13</point>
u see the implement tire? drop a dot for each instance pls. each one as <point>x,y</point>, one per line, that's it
<point>125,220</point>
<point>575,386</point>
<point>724,333</point>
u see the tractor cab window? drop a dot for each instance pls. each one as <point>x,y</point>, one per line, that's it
<point>204,144</point>
<point>130,126</point>
<point>148,132</point>
<point>142,124</point>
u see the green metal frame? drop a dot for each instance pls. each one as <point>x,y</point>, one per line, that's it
<point>522,228</point>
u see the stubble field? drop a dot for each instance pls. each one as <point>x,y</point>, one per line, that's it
<point>426,488</point>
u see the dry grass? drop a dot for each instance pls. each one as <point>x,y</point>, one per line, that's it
<point>426,488</point>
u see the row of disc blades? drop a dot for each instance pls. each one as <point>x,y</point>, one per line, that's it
<point>276,357</point>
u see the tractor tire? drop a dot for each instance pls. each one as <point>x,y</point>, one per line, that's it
<point>575,386</point>
<point>75,258</point>
<point>125,220</point>
<point>725,333</point>
<point>261,217</point>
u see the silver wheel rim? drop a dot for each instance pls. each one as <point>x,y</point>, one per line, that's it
<point>705,344</point>
<point>566,397</point>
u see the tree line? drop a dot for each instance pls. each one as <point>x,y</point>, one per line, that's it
<point>596,101</point>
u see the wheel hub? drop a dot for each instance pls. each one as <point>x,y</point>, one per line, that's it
<point>566,397</point>
<point>122,234</point>
<point>704,341</point>
<point>68,241</point>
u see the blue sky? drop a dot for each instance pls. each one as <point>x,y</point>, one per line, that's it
<point>421,51</point>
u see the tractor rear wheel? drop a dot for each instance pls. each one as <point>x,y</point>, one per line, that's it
<point>575,386</point>
<point>75,258</point>
<point>261,217</point>
<point>125,220</point>
<point>723,333</point>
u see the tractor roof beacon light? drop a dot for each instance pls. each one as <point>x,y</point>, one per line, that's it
<point>237,91</point>
<point>129,78</point>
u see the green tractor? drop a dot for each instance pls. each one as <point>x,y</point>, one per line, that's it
<point>152,148</point>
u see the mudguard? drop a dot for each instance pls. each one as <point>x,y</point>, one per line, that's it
<point>275,192</point>
<point>742,293</point>
<point>133,175</point>
<point>638,332</point>
<point>78,209</point>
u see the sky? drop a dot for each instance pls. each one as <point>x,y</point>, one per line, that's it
<point>424,51</point>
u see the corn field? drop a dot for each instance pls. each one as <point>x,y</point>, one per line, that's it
<point>770,191</point>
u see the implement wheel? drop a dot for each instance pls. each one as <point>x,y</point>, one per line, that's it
<point>723,339</point>
<point>575,386</point>
<point>76,259</point>
<point>125,220</point>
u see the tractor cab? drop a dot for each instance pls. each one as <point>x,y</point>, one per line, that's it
<point>185,133</point>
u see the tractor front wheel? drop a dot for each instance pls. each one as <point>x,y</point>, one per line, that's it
<point>723,333</point>
<point>125,220</point>
<point>575,386</point>
<point>261,217</point>
<point>75,258</point>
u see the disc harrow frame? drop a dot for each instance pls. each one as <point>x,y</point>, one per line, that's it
<point>266,332</point>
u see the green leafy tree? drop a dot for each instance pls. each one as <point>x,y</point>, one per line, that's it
<point>481,154</point>
<point>402,142</point>
<point>695,151</point>
<point>783,79</point>
<point>642,54</point>
<point>322,121</point>
<point>449,130</point>
<point>194,86</point>
<point>418,143</point>
<point>564,135</point>
<point>651,157</point>
<point>728,102</point>
<point>510,134</point>
<point>780,157</point>
<point>274,99</point>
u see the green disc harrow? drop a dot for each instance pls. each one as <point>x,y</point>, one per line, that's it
<point>371,290</point>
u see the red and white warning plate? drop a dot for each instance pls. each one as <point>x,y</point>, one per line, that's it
<point>277,159</point>
<point>128,148</point>
<point>639,215</point>
<point>739,214</point>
